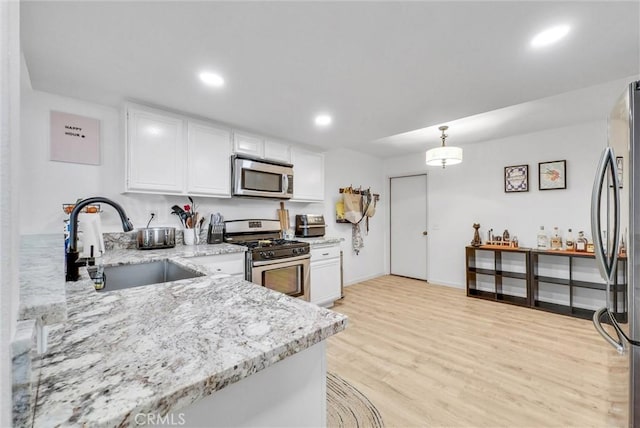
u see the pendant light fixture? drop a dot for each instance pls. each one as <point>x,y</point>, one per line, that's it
<point>444,155</point>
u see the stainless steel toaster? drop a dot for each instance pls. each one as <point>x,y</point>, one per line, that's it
<point>156,237</point>
<point>310,225</point>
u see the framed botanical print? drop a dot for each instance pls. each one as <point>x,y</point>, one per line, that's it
<point>516,178</point>
<point>552,175</point>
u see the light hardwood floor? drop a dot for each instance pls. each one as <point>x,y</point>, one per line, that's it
<point>428,356</point>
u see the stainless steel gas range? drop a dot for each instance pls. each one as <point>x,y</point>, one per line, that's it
<point>272,262</point>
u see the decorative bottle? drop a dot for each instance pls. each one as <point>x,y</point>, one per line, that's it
<point>581,242</point>
<point>543,239</point>
<point>569,243</point>
<point>556,240</point>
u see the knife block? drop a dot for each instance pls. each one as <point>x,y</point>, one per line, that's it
<point>214,234</point>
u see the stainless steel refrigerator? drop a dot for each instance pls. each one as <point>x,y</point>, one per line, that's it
<point>615,226</point>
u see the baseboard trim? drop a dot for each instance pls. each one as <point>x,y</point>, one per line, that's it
<point>364,278</point>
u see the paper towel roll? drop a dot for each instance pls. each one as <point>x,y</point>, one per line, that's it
<point>91,228</point>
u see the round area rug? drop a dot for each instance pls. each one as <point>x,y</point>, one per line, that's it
<point>348,407</point>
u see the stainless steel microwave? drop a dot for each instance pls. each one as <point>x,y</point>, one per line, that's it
<point>261,178</point>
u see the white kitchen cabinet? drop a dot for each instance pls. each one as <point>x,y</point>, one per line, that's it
<point>155,161</point>
<point>172,154</point>
<point>208,164</point>
<point>325,275</point>
<point>228,264</point>
<point>248,144</point>
<point>277,151</point>
<point>308,175</point>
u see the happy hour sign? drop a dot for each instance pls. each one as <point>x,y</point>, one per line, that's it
<point>75,138</point>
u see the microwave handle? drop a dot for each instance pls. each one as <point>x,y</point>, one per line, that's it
<point>285,183</point>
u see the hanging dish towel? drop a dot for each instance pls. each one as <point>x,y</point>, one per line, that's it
<point>356,238</point>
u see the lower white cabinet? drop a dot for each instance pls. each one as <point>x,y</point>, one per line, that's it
<point>222,264</point>
<point>325,275</point>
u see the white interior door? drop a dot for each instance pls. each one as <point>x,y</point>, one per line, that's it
<point>409,226</point>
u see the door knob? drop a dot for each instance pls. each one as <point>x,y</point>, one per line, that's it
<point>425,233</point>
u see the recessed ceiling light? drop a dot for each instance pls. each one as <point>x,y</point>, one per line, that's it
<point>549,36</point>
<point>211,79</point>
<point>323,120</point>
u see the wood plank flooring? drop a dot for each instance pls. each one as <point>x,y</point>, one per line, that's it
<point>428,356</point>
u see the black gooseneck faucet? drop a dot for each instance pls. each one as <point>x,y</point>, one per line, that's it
<point>71,258</point>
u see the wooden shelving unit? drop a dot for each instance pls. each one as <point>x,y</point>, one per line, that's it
<point>498,274</point>
<point>618,288</point>
<point>530,279</point>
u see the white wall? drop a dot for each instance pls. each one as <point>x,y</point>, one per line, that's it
<point>48,184</point>
<point>343,168</point>
<point>9,188</point>
<point>473,192</point>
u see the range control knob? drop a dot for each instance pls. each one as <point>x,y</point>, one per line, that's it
<point>271,254</point>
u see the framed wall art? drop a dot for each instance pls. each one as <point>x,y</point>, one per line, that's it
<point>74,138</point>
<point>552,175</point>
<point>516,178</point>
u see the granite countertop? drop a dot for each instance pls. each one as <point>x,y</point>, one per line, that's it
<point>162,347</point>
<point>321,240</point>
<point>41,277</point>
<point>42,284</point>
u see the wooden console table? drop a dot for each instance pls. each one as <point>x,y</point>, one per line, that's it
<point>524,276</point>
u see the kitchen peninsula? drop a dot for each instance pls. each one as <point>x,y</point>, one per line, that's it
<point>211,350</point>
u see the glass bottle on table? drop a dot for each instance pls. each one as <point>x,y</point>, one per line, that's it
<point>570,243</point>
<point>581,242</point>
<point>556,240</point>
<point>543,239</point>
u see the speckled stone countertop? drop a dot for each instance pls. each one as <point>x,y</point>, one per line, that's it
<point>41,273</point>
<point>321,241</point>
<point>161,347</point>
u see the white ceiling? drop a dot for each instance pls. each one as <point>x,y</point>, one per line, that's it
<point>382,69</point>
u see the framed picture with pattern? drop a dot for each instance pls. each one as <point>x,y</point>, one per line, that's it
<point>516,178</point>
<point>552,175</point>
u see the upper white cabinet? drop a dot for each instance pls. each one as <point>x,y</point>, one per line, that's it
<point>248,144</point>
<point>277,151</point>
<point>172,154</point>
<point>308,175</point>
<point>155,159</point>
<point>258,147</point>
<point>208,164</point>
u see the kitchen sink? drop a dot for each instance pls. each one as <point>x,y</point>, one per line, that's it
<point>128,276</point>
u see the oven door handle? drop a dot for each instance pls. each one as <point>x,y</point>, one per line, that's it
<point>276,261</point>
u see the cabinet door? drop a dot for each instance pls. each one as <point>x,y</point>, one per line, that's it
<point>231,264</point>
<point>277,151</point>
<point>308,175</point>
<point>208,163</point>
<point>325,281</point>
<point>154,152</point>
<point>251,145</point>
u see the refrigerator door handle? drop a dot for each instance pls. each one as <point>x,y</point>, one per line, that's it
<point>607,259</point>
<point>618,344</point>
